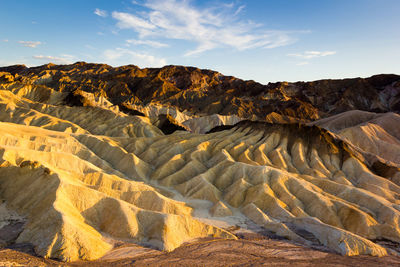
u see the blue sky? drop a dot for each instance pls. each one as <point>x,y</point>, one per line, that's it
<point>262,40</point>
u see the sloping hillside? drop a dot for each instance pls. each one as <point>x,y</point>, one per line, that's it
<point>81,169</point>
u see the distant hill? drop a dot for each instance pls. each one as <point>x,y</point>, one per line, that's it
<point>208,92</point>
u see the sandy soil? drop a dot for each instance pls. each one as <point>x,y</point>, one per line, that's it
<point>249,250</point>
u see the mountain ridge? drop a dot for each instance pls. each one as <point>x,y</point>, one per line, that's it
<point>185,87</point>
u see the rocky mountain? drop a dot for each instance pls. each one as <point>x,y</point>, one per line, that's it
<point>93,156</point>
<point>206,92</point>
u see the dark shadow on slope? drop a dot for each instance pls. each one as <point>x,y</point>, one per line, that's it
<point>73,99</point>
<point>385,170</point>
<point>130,111</point>
<point>167,124</point>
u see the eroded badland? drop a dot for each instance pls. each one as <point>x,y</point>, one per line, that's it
<point>93,156</point>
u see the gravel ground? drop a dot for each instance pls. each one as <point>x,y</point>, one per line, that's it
<point>249,250</point>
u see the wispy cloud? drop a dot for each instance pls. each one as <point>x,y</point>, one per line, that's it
<point>208,28</point>
<point>312,54</point>
<point>101,13</point>
<point>302,63</point>
<point>63,59</point>
<point>32,44</point>
<point>126,21</point>
<point>154,44</point>
<point>122,56</point>
<point>239,10</point>
<point>5,40</point>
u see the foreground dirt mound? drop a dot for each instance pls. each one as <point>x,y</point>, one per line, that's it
<point>249,250</point>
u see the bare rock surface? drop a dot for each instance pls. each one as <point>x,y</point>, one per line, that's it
<point>208,92</point>
<point>374,133</point>
<point>82,171</point>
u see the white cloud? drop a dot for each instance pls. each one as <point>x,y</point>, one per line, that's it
<point>32,44</point>
<point>126,21</point>
<point>5,40</point>
<point>239,10</point>
<point>122,56</point>
<point>101,13</point>
<point>209,28</point>
<point>63,59</point>
<point>303,63</point>
<point>312,54</point>
<point>154,44</point>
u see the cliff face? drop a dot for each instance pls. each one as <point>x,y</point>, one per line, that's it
<point>209,92</point>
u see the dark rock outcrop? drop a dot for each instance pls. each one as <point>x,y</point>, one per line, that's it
<point>209,92</point>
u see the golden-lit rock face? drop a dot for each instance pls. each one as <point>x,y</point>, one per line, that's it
<point>207,92</point>
<point>83,177</point>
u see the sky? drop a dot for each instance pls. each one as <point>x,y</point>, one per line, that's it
<point>261,40</point>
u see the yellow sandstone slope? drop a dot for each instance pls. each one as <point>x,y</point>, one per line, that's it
<point>73,200</point>
<point>84,177</point>
<point>374,133</point>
